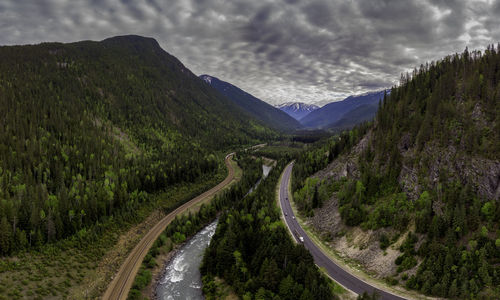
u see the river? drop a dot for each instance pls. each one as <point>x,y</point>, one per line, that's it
<point>182,278</point>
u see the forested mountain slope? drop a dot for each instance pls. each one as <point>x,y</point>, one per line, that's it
<point>363,113</point>
<point>332,112</point>
<point>423,180</point>
<point>88,129</point>
<point>257,108</point>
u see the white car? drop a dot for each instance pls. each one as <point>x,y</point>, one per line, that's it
<point>301,239</point>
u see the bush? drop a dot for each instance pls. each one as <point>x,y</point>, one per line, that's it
<point>134,295</point>
<point>151,263</point>
<point>352,215</point>
<point>384,242</point>
<point>142,279</point>
<point>391,280</point>
<point>178,237</point>
<point>405,262</point>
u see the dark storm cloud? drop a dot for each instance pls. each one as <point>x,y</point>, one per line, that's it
<point>288,50</point>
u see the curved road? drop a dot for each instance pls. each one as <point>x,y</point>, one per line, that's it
<point>122,282</point>
<point>340,275</point>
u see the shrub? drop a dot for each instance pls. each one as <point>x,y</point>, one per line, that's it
<point>142,279</point>
<point>384,241</point>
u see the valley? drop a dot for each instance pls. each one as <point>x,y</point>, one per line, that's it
<point>124,174</point>
<point>123,280</point>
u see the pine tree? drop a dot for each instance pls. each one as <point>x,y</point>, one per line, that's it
<point>5,236</point>
<point>315,199</point>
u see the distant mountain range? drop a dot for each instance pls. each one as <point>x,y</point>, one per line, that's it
<point>297,110</point>
<point>291,116</point>
<point>360,114</point>
<point>255,107</point>
<point>344,114</point>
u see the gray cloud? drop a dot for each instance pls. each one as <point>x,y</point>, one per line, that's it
<point>291,50</point>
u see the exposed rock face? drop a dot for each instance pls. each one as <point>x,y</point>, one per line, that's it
<point>354,243</point>
<point>484,174</point>
<point>408,179</point>
<point>480,173</point>
<point>327,219</point>
<point>478,115</point>
<point>418,171</point>
<point>346,165</point>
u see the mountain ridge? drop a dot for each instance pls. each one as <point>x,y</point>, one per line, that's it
<point>110,121</point>
<point>332,112</point>
<point>297,110</point>
<point>254,106</point>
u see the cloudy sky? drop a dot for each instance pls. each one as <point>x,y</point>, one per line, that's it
<point>281,50</point>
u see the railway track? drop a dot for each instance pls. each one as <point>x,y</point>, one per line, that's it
<point>124,279</point>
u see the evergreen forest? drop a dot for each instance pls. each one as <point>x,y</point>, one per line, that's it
<point>90,130</point>
<point>427,167</point>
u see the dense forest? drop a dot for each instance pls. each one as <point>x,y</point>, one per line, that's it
<point>90,129</point>
<point>188,225</point>
<point>430,166</point>
<point>253,252</point>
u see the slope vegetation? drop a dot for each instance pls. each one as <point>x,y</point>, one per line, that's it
<point>331,113</point>
<point>255,107</point>
<point>363,113</point>
<point>423,180</point>
<point>90,129</point>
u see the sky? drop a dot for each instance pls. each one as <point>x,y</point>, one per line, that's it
<point>279,51</point>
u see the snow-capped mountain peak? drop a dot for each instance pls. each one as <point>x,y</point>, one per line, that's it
<point>297,110</point>
<point>206,78</point>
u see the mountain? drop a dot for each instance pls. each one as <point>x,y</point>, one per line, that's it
<point>257,108</point>
<point>297,110</point>
<point>419,188</point>
<point>90,129</point>
<point>333,112</point>
<point>365,112</point>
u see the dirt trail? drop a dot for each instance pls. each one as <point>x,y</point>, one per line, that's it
<point>122,282</point>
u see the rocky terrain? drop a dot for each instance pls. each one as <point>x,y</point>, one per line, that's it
<point>362,246</point>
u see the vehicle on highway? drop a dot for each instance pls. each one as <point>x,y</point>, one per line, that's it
<point>301,239</point>
<point>286,214</point>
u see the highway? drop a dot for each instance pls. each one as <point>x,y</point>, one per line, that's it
<point>122,282</point>
<point>344,278</point>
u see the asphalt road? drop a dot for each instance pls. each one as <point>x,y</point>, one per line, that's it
<point>122,282</point>
<point>340,275</point>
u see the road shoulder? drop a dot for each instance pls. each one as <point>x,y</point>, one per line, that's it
<point>337,259</point>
